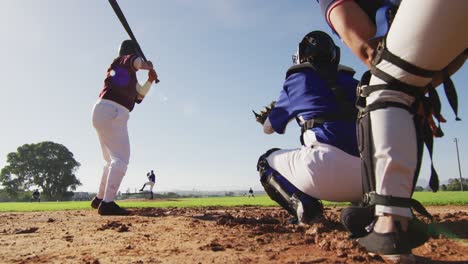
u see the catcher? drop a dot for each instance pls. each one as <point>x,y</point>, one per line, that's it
<point>319,94</point>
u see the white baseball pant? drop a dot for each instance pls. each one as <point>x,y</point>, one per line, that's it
<point>110,121</point>
<point>320,170</point>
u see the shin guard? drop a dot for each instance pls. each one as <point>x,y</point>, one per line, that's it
<point>300,205</point>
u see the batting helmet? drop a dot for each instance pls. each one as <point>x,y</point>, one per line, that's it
<point>128,47</point>
<point>317,47</point>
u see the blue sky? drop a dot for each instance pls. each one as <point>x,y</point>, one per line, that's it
<point>217,60</point>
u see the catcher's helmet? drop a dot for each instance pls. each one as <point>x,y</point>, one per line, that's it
<point>317,47</point>
<point>128,47</point>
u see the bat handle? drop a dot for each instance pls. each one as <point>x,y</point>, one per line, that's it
<point>156,81</point>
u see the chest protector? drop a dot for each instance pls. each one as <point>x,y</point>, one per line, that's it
<point>347,110</point>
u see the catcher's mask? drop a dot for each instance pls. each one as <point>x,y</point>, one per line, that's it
<point>317,47</point>
<point>128,47</point>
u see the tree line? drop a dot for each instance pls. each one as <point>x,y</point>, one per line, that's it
<point>51,167</point>
<point>47,166</point>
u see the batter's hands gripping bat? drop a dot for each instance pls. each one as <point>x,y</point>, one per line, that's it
<point>125,24</point>
<point>263,115</point>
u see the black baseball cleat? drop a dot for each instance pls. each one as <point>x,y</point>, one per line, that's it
<point>394,247</point>
<point>357,219</point>
<point>96,202</point>
<point>111,208</point>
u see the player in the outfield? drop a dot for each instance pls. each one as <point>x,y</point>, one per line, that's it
<point>36,196</point>
<point>319,94</point>
<point>110,115</point>
<point>151,181</point>
<point>421,42</point>
<point>251,193</point>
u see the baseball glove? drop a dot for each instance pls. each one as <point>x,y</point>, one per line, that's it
<point>263,115</point>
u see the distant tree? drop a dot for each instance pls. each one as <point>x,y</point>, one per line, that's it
<point>419,189</point>
<point>4,197</point>
<point>49,165</point>
<point>229,194</point>
<point>443,187</point>
<point>454,185</point>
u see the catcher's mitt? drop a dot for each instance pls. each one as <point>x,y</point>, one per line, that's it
<point>262,116</point>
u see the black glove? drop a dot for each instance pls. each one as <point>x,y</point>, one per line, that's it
<point>263,115</point>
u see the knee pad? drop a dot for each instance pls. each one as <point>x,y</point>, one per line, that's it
<point>262,163</point>
<point>300,205</point>
<point>356,219</point>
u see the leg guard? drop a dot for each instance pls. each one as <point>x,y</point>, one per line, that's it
<point>297,203</point>
<point>407,70</point>
<point>392,160</point>
<point>384,156</point>
<point>356,219</point>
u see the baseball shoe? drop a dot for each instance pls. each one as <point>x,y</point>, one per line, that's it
<point>96,202</point>
<point>394,247</point>
<point>357,219</point>
<point>111,208</point>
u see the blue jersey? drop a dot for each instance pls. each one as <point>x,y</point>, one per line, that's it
<point>152,177</point>
<point>307,95</point>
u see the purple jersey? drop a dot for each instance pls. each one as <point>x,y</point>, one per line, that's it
<point>120,82</point>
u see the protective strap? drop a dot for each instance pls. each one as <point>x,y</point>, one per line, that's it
<point>395,84</point>
<point>373,198</point>
<point>380,105</point>
<point>451,93</point>
<point>383,53</point>
<point>306,125</point>
<point>436,106</point>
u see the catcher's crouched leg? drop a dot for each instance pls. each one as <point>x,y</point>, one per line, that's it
<point>356,219</point>
<point>300,205</point>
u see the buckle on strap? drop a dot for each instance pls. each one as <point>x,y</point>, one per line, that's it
<point>366,90</point>
<point>307,125</point>
<point>372,198</point>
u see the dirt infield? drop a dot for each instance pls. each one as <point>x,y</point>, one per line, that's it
<point>205,235</point>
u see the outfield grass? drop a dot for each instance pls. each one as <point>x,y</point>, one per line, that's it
<point>426,198</point>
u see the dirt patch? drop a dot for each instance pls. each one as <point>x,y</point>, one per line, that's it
<point>206,235</point>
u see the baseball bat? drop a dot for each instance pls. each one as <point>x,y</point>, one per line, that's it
<point>125,24</point>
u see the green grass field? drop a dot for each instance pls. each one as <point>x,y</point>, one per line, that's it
<point>426,198</point>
